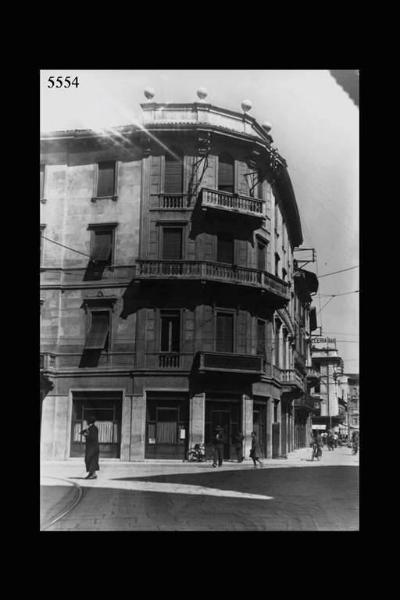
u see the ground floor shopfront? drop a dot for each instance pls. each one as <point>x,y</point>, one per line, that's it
<point>149,419</point>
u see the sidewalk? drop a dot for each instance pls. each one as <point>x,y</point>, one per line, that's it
<point>74,469</point>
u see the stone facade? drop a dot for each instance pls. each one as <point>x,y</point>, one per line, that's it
<point>166,313</point>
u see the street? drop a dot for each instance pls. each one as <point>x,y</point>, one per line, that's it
<point>292,495</point>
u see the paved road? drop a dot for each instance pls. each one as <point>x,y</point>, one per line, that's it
<point>294,498</point>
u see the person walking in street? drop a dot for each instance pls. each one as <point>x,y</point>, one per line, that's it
<point>355,442</point>
<point>331,441</point>
<point>316,444</point>
<point>255,450</point>
<point>218,443</point>
<point>335,438</point>
<point>92,448</point>
<point>238,441</point>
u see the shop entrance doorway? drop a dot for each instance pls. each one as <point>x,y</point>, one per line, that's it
<point>259,426</point>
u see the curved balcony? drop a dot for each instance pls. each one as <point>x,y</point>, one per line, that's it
<point>181,270</point>
<point>233,203</point>
<point>313,376</point>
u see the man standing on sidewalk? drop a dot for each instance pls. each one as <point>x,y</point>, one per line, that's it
<point>92,448</point>
<point>238,440</point>
<point>218,446</point>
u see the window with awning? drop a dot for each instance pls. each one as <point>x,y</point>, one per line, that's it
<point>106,179</point>
<point>99,329</point>
<point>102,245</point>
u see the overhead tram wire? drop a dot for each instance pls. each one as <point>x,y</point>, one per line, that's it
<point>341,271</point>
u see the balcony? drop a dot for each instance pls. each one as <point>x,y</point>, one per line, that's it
<point>292,379</point>
<point>313,376</point>
<point>230,363</point>
<point>47,361</point>
<point>232,203</point>
<point>307,402</point>
<point>182,270</point>
<point>173,201</point>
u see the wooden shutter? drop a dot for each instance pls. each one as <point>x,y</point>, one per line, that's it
<point>224,332</point>
<point>106,180</point>
<point>173,179</point>
<point>97,336</point>
<point>260,256</point>
<point>102,245</point>
<point>261,337</point>
<point>41,181</point>
<point>225,249</point>
<point>225,174</point>
<point>170,331</point>
<point>172,243</point>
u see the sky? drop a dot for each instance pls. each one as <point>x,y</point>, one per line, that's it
<point>315,127</point>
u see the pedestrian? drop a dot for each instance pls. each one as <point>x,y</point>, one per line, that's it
<point>218,444</point>
<point>355,441</point>
<point>331,441</point>
<point>92,448</point>
<point>255,450</point>
<point>238,441</point>
<point>336,438</point>
<point>324,438</point>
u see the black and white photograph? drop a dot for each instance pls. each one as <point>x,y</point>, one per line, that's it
<point>199,300</point>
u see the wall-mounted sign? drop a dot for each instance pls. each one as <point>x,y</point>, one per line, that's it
<point>182,434</point>
<point>152,440</point>
<point>323,340</point>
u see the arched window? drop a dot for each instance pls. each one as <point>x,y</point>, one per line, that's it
<point>173,179</point>
<point>226,173</point>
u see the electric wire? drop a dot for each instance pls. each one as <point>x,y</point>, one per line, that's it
<point>64,246</point>
<point>341,271</point>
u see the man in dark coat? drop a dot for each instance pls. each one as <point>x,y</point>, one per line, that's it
<point>238,440</point>
<point>218,446</point>
<point>92,449</point>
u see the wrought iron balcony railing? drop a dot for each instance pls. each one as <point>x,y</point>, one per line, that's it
<point>212,271</point>
<point>244,205</point>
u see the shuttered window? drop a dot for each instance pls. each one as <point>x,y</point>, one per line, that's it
<point>276,344</point>
<point>106,179</point>
<point>226,181</point>
<point>41,181</point>
<point>224,337</point>
<point>170,331</point>
<point>172,243</point>
<point>225,248</point>
<point>97,336</point>
<point>277,259</point>
<point>261,337</point>
<point>173,181</point>
<point>261,256</point>
<point>101,245</point>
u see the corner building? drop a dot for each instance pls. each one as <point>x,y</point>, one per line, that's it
<point>167,296</point>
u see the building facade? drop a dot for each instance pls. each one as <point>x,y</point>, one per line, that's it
<point>168,301</point>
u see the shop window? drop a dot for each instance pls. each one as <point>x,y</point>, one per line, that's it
<point>106,179</point>
<point>225,248</point>
<point>170,331</point>
<point>224,334</point>
<point>226,173</point>
<point>173,178</point>
<point>172,243</point>
<point>98,335</point>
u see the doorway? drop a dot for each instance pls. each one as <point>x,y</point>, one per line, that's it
<point>226,414</point>
<point>259,426</point>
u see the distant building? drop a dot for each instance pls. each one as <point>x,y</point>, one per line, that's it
<point>170,301</point>
<point>329,364</point>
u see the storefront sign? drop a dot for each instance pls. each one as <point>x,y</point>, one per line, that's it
<point>182,434</point>
<point>152,440</point>
<point>319,427</point>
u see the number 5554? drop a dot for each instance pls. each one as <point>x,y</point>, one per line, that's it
<point>62,81</point>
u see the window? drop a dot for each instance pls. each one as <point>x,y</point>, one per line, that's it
<point>261,337</point>
<point>98,336</point>
<point>277,259</point>
<point>170,330</point>
<point>255,185</point>
<point>101,244</point>
<point>226,173</point>
<point>42,228</point>
<point>42,172</point>
<point>225,248</point>
<point>261,248</point>
<point>284,274</point>
<point>277,326</point>
<point>106,179</point>
<point>224,337</point>
<point>173,179</point>
<point>172,243</point>
<point>284,347</point>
